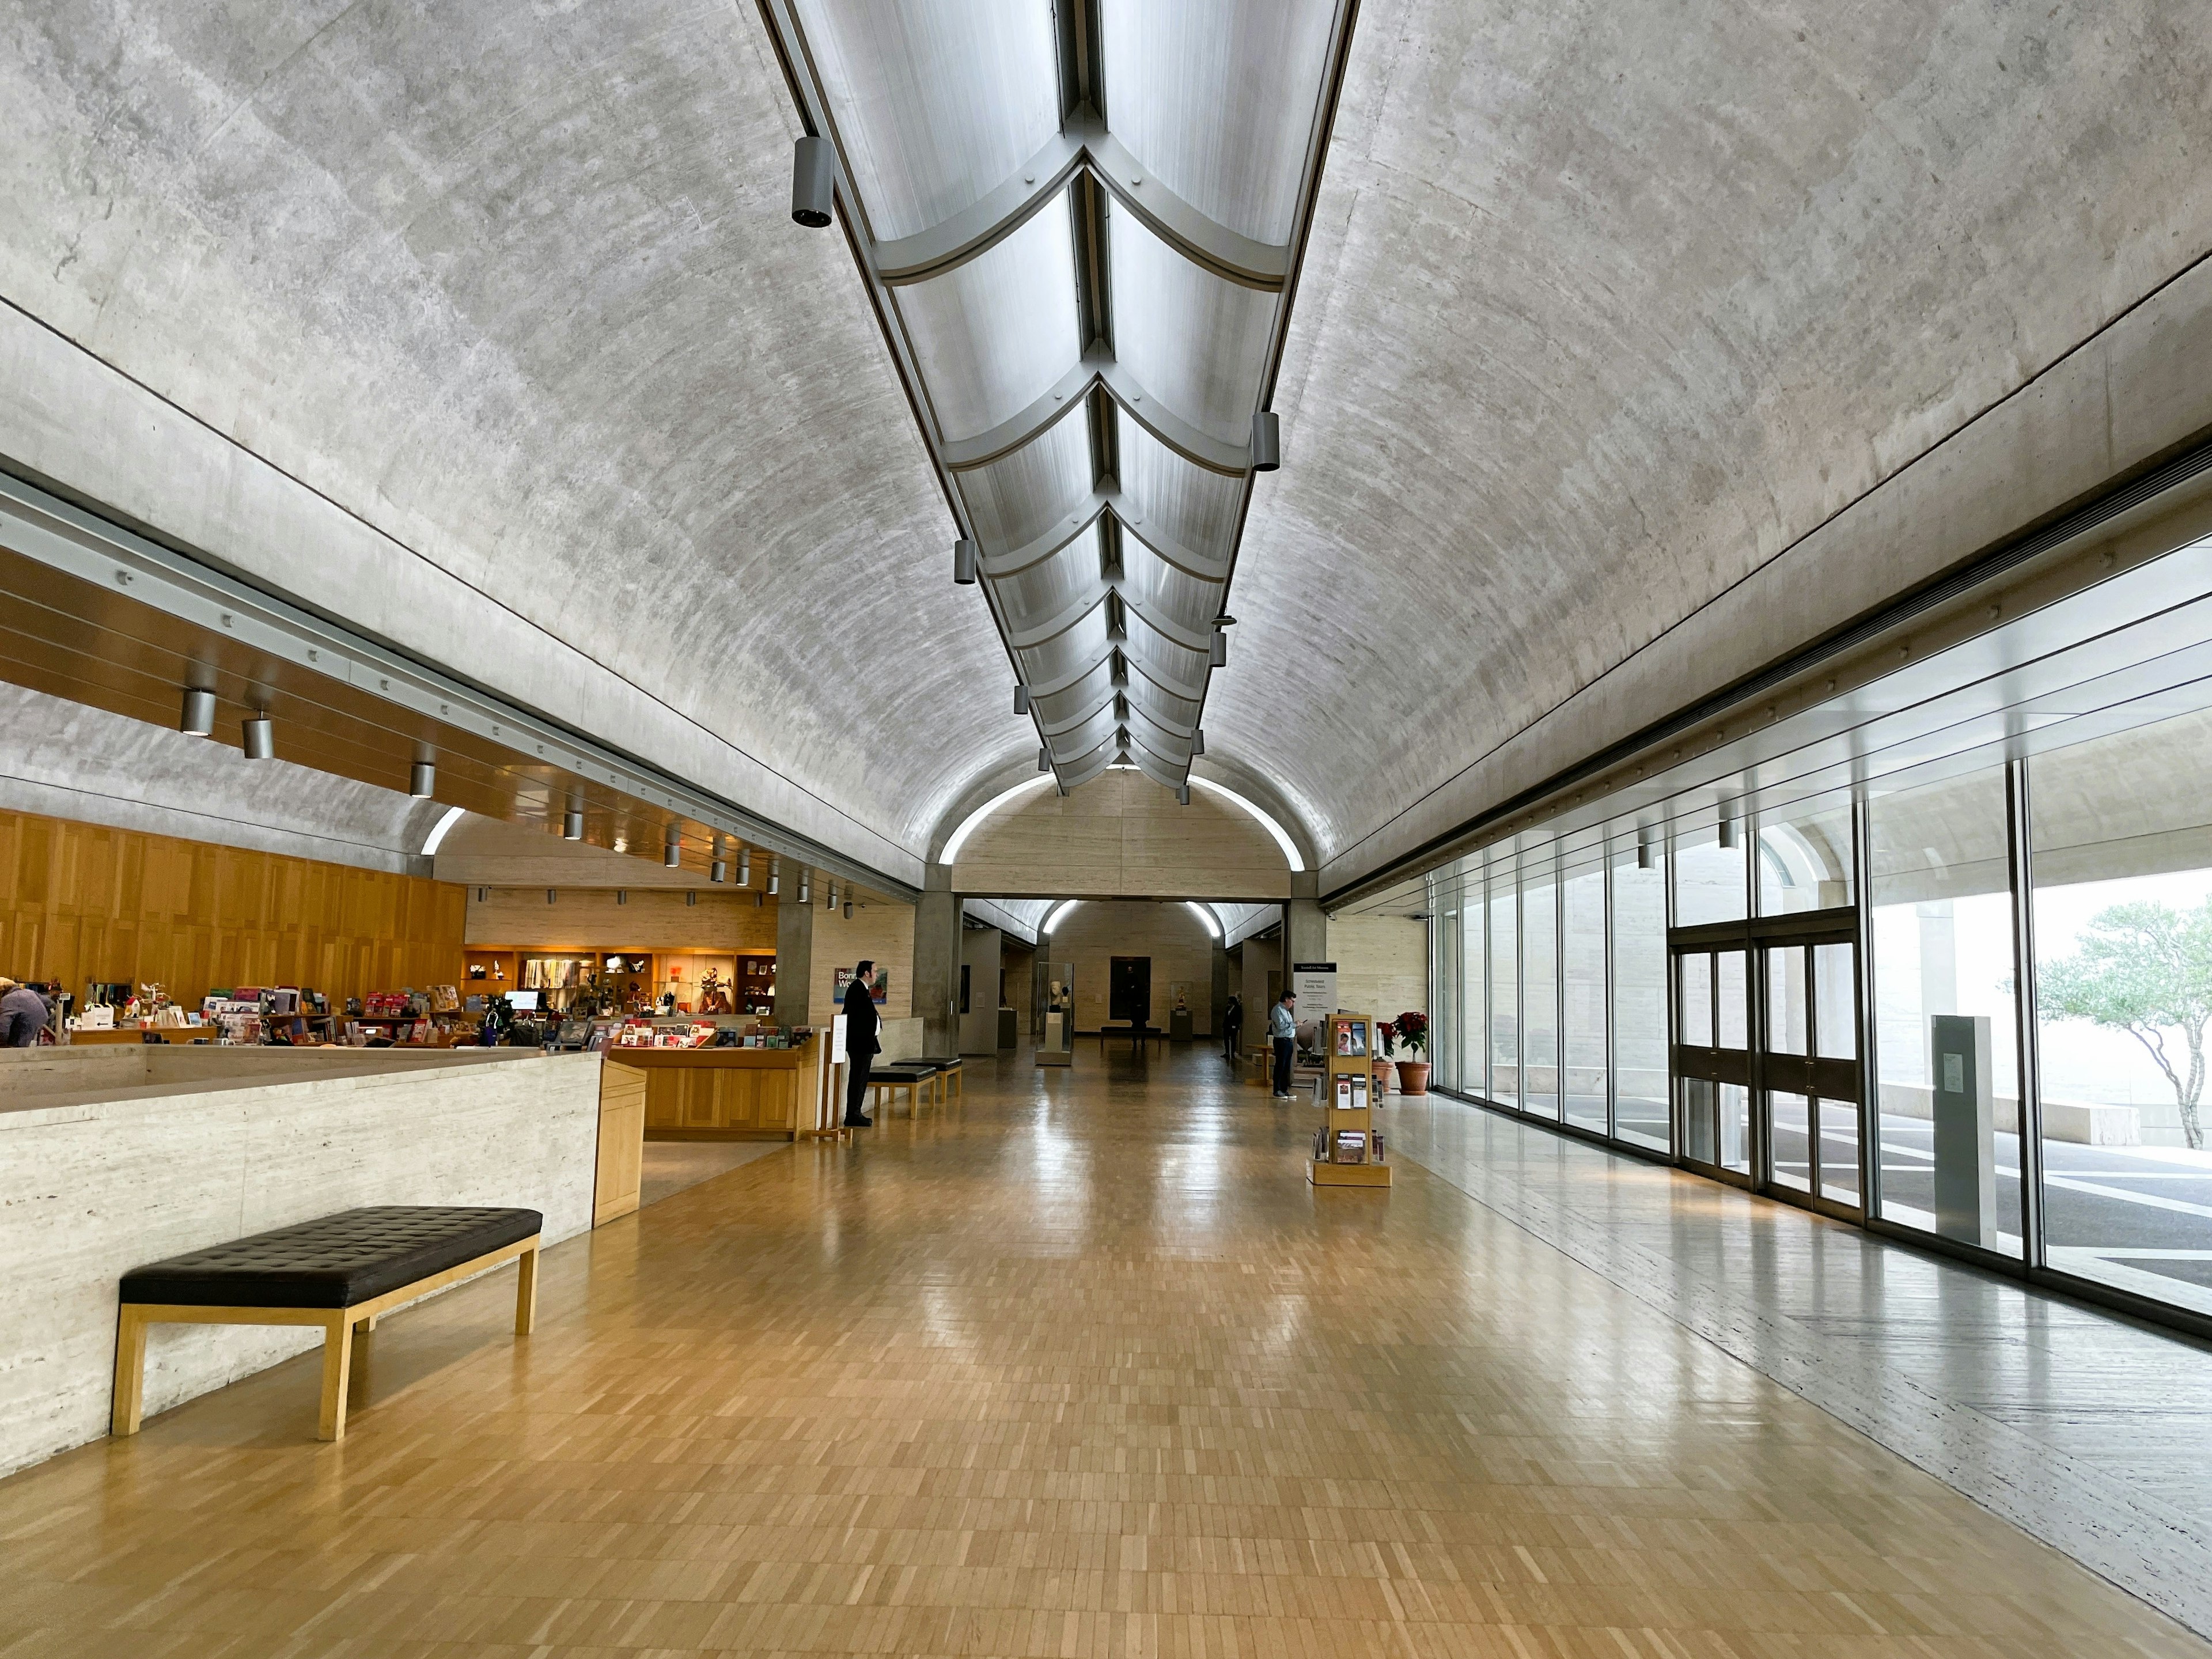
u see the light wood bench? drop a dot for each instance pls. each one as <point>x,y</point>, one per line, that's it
<point>342,1273</point>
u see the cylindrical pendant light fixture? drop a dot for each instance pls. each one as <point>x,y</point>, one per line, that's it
<point>1044,760</point>
<point>717,871</point>
<point>572,821</point>
<point>1267,441</point>
<point>1021,699</point>
<point>1728,832</point>
<point>260,737</point>
<point>806,885</point>
<point>965,556</point>
<point>672,849</point>
<point>1182,795</point>
<point>848,910</point>
<point>423,779</point>
<point>813,182</point>
<point>745,866</point>
<point>198,721</point>
<point>1198,742</point>
<point>1218,655</point>
<point>774,877</point>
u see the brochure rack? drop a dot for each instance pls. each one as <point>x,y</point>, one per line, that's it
<point>1344,1152</point>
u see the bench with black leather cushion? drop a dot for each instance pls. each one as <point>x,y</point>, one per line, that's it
<point>341,1272</point>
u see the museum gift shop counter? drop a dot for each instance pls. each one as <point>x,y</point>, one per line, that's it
<point>727,1094</point>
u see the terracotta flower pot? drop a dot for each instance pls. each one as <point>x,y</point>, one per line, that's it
<point>1382,1077</point>
<point>1414,1077</point>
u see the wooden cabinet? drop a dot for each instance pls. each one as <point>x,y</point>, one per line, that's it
<point>721,1093</point>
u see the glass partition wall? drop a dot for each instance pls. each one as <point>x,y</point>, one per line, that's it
<point>1969,1006</point>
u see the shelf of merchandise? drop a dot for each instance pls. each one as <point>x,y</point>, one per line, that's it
<point>1347,1104</point>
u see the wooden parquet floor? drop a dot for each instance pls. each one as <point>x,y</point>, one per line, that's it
<point>1084,1368</point>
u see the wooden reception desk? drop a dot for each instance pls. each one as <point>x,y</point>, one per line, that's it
<point>726,1094</point>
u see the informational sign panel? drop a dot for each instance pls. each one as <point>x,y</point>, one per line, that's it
<point>879,985</point>
<point>837,1041</point>
<point>1315,985</point>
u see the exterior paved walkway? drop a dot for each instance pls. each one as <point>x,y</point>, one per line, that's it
<point>1085,1368</point>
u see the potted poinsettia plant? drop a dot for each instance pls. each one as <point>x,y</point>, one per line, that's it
<point>1412,1029</point>
<point>1382,1070</point>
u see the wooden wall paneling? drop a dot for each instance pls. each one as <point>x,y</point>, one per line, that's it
<point>724,922</point>
<point>84,903</point>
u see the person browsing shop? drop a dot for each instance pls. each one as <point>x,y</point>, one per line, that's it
<point>23,1015</point>
<point>1283,1029</point>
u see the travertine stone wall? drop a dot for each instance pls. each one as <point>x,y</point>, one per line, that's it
<point>115,1166</point>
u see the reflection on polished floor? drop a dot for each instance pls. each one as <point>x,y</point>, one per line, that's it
<point>1087,1368</point>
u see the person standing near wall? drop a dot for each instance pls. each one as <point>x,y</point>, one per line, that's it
<point>1283,1028</point>
<point>862,1022</point>
<point>1232,1025</point>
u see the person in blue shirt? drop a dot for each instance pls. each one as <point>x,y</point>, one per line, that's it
<point>1283,1028</point>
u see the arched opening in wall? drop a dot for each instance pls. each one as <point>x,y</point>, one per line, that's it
<point>1130,970</point>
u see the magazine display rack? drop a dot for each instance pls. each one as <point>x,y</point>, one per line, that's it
<point>1348,1149</point>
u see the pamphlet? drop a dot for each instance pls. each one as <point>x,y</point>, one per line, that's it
<point>1351,1038</point>
<point>1350,1146</point>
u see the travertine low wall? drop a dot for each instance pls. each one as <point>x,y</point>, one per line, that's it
<point>116,1157</point>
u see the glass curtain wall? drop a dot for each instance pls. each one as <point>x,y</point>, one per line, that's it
<point>1539,985</point>
<point>1473,1002</point>
<point>1582,1000</point>
<point>1945,1026</point>
<point>1638,869</point>
<point>2028,1003</point>
<point>1503,902</point>
<point>2121,849</point>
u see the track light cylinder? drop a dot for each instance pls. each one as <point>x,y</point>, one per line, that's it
<point>806,886</point>
<point>198,719</point>
<point>1045,759</point>
<point>745,866</point>
<point>671,850</point>
<point>1218,656</point>
<point>813,182</point>
<point>717,871</point>
<point>775,876</point>
<point>1021,700</point>
<point>1198,742</point>
<point>1267,441</point>
<point>965,557</point>
<point>572,824</point>
<point>1728,832</point>
<point>260,739</point>
<point>1182,795</point>
<point>423,779</point>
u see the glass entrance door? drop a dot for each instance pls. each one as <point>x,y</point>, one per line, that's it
<point>1766,1055</point>
<point>1712,1057</point>
<point>1809,1071</point>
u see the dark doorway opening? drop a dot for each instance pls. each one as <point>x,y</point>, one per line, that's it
<point>1129,990</point>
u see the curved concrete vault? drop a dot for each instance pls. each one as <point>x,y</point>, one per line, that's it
<point>489,331</point>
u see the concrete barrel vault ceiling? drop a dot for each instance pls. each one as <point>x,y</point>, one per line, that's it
<point>1603,310</point>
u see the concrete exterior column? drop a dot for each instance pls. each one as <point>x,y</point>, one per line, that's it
<point>794,958</point>
<point>937,963</point>
<point>1305,930</point>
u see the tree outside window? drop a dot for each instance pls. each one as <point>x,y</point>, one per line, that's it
<point>2144,968</point>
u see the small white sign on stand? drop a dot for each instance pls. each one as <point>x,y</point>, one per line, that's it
<point>1314,983</point>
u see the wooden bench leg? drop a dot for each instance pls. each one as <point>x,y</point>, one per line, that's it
<point>526,1292</point>
<point>357,1371</point>
<point>129,1370</point>
<point>338,1370</point>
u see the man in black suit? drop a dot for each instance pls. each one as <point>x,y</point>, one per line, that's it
<point>862,1022</point>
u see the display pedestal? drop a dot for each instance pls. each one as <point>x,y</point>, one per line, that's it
<point>1346,1148</point>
